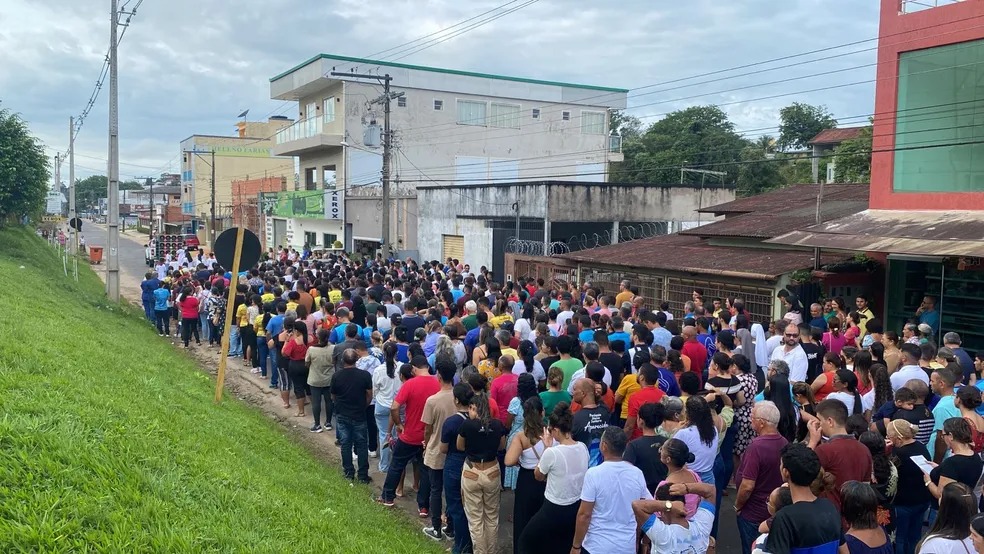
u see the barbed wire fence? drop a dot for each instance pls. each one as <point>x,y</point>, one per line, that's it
<point>584,241</point>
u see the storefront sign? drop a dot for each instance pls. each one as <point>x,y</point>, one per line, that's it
<point>967,263</point>
<point>311,204</point>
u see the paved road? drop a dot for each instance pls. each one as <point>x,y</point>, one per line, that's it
<point>132,269</point>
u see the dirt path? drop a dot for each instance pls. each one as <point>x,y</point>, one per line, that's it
<point>255,391</point>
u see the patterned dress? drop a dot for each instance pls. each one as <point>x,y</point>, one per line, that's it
<point>748,385</point>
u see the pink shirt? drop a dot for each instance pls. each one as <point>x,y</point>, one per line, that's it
<point>503,390</point>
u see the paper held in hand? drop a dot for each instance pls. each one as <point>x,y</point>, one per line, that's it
<point>923,463</point>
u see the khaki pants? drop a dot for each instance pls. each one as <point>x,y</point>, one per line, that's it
<point>480,495</point>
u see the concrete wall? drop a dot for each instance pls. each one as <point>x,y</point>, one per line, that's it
<point>317,226</point>
<point>365,216</point>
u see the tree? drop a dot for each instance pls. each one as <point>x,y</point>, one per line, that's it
<point>24,172</point>
<point>853,158</point>
<point>131,185</point>
<point>801,122</point>
<point>700,136</point>
<point>88,191</point>
<point>628,126</point>
<point>757,172</point>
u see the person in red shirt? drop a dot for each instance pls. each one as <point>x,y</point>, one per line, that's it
<point>842,455</point>
<point>694,350</point>
<point>648,378</point>
<point>504,387</point>
<point>295,350</point>
<point>188,304</point>
<point>409,445</point>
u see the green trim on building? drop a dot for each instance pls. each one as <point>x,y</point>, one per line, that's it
<point>447,71</point>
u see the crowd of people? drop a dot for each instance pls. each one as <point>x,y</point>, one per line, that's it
<point>620,426</point>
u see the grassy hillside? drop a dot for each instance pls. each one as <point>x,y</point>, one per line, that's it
<point>110,441</point>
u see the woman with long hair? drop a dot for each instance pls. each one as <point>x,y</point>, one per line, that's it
<point>862,368</point>
<point>701,437</point>
<point>488,365</point>
<point>824,383</point>
<point>295,349</point>
<point>846,392</point>
<point>385,384</point>
<point>525,389</point>
<point>853,332</point>
<point>833,339</point>
<point>453,465</point>
<point>778,393</point>
<point>741,367</point>
<point>963,465</point>
<point>321,370</point>
<point>443,347</point>
<point>525,450</point>
<point>912,499</point>
<point>886,477</point>
<point>859,506</point>
<point>808,407</point>
<point>188,305</point>
<point>968,400</point>
<point>840,306</point>
<point>527,362</point>
<point>794,309</point>
<point>893,356</point>
<point>481,438</point>
<point>562,466</point>
<point>277,342</point>
<point>951,530</point>
<point>881,389</point>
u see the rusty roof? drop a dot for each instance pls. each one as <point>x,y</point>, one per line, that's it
<point>836,136</point>
<point>917,232</point>
<point>690,254</point>
<point>779,200</point>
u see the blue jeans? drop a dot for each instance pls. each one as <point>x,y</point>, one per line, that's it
<point>354,432</point>
<point>274,375</point>
<point>748,532</point>
<point>403,454</point>
<point>707,476</point>
<point>456,509</point>
<point>148,306</point>
<point>720,483</point>
<point>908,527</point>
<point>263,355</point>
<point>382,415</point>
<point>204,326</point>
<point>235,345</point>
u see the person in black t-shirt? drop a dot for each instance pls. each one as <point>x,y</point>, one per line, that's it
<point>963,465</point>
<point>481,438</point>
<point>809,522</point>
<point>814,352</point>
<point>351,390</point>
<point>643,452</point>
<point>912,498</point>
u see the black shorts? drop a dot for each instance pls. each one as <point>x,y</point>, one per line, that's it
<point>298,374</point>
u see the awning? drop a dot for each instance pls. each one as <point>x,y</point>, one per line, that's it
<point>926,233</point>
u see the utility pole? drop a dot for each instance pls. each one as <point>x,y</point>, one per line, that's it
<point>386,99</point>
<point>74,248</point>
<point>150,226</point>
<point>113,219</point>
<point>58,162</point>
<point>212,231</point>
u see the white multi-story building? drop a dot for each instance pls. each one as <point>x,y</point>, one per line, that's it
<point>449,126</point>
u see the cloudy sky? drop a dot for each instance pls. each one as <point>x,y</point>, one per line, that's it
<point>190,66</point>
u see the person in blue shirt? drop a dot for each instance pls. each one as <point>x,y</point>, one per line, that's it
<point>471,338</point>
<point>456,291</point>
<point>147,288</point>
<point>161,311</point>
<point>618,331</point>
<point>338,333</point>
<point>661,335</point>
<point>587,333</point>
<point>928,314</point>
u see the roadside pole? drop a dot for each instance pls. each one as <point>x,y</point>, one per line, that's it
<point>230,309</point>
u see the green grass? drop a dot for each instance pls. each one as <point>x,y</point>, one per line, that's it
<point>110,441</point>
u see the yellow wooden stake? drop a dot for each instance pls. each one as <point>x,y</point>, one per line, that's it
<point>230,312</point>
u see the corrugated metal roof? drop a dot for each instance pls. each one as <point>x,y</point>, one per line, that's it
<point>689,254</point>
<point>778,200</point>
<point>836,136</point>
<point>934,233</point>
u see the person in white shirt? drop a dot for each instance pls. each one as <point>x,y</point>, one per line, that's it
<point>605,521</point>
<point>775,340</point>
<point>909,361</point>
<point>792,353</point>
<point>590,352</point>
<point>564,315</point>
<point>664,519</point>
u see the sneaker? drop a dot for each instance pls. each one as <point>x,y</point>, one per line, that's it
<point>433,533</point>
<point>366,481</point>
<point>448,532</point>
<point>160,334</point>
<point>373,454</point>
<point>327,426</point>
<point>387,503</point>
<point>316,428</point>
<point>423,512</point>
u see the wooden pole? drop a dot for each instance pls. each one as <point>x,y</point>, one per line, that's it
<point>230,312</point>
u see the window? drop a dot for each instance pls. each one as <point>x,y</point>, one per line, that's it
<point>438,105</point>
<point>401,101</point>
<point>471,113</point>
<point>310,239</point>
<point>593,123</point>
<point>940,106</point>
<point>329,109</point>
<point>330,239</point>
<point>505,116</point>
<point>536,113</point>
<point>566,116</point>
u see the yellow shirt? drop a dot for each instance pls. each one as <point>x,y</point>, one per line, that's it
<point>628,386</point>
<point>334,296</point>
<point>500,319</point>
<point>863,326</point>
<point>268,297</point>
<point>241,317</point>
<point>258,326</point>
<point>292,306</point>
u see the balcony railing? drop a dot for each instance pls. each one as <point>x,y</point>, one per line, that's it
<point>909,6</point>
<point>305,128</point>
